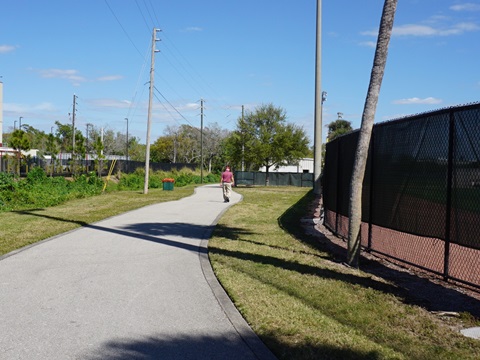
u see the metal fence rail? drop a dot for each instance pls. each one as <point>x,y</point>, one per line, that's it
<point>421,192</point>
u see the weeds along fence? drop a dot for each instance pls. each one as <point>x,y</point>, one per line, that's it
<point>421,192</point>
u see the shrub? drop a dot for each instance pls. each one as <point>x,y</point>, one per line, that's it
<point>131,181</point>
<point>7,181</point>
<point>36,175</point>
<point>154,182</point>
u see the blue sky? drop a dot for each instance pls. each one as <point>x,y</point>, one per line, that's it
<point>230,53</point>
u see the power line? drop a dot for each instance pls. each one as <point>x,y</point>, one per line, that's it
<point>141,12</point>
<point>173,107</point>
<point>125,31</point>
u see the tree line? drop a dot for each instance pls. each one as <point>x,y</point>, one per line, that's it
<point>262,137</point>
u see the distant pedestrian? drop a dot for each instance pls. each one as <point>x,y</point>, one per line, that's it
<point>226,184</point>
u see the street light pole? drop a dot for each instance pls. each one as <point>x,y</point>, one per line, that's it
<point>317,163</point>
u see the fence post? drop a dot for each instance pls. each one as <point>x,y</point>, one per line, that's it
<point>448,210</point>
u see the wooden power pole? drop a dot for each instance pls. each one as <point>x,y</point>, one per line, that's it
<point>149,120</point>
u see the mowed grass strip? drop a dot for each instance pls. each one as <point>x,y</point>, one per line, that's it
<point>305,306</point>
<point>21,228</point>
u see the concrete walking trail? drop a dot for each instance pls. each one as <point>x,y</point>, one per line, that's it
<point>134,286</point>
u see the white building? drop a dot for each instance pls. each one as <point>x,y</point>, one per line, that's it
<point>305,165</point>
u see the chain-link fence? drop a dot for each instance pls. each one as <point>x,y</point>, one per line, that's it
<point>421,192</point>
<point>251,178</point>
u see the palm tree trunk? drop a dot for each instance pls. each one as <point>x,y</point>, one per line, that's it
<point>368,117</point>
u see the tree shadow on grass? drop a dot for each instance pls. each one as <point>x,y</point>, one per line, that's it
<point>307,269</point>
<point>431,294</point>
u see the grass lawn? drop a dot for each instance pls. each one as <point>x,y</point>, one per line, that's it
<point>21,228</point>
<point>302,304</point>
<point>305,306</point>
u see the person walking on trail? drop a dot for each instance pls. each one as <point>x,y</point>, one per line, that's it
<point>226,184</point>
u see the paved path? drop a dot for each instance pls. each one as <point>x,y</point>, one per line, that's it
<point>135,286</point>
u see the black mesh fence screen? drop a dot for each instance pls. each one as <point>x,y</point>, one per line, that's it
<point>251,178</point>
<point>422,180</point>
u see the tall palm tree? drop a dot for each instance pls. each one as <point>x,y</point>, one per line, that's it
<point>368,117</point>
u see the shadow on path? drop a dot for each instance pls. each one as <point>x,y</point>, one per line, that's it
<point>154,232</point>
<point>188,347</point>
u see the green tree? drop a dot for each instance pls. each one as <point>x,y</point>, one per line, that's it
<point>162,150</point>
<point>213,138</point>
<point>64,136</point>
<point>52,150</point>
<point>36,137</point>
<point>136,151</point>
<point>98,147</point>
<point>264,138</point>
<point>368,117</point>
<point>20,142</point>
<point>186,143</point>
<point>338,127</point>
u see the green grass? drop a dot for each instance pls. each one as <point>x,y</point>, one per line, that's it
<point>27,226</point>
<point>302,304</point>
<point>305,306</point>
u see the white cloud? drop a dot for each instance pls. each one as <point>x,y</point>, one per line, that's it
<point>427,30</point>
<point>73,76</point>
<point>6,48</point>
<point>414,30</point>
<point>466,7</point>
<point>70,75</point>
<point>109,103</point>
<point>191,106</point>
<point>45,106</point>
<point>371,44</point>
<point>418,101</point>
<point>192,29</point>
<point>437,25</point>
<point>15,109</point>
<point>110,78</point>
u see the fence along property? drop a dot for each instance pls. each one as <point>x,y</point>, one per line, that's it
<point>421,192</point>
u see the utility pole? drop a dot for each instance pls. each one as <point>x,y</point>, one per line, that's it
<point>101,140</point>
<point>73,124</point>
<point>127,138</point>
<point>87,147</point>
<point>201,141</point>
<point>174,148</point>
<point>149,120</point>
<point>243,142</point>
<point>317,142</point>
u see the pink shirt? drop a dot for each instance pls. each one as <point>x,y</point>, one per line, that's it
<point>227,176</point>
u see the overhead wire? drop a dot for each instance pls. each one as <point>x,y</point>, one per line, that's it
<point>148,14</point>
<point>173,107</point>
<point>119,23</point>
